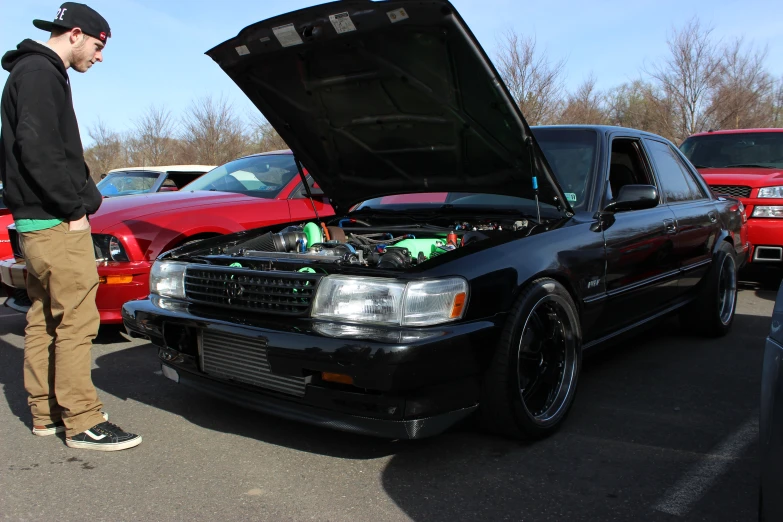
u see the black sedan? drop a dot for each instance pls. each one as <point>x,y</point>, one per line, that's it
<point>472,259</point>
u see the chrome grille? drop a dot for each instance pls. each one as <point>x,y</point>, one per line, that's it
<point>243,359</point>
<point>281,293</point>
<point>737,191</point>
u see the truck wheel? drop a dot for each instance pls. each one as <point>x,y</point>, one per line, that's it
<point>531,381</point>
<point>712,312</point>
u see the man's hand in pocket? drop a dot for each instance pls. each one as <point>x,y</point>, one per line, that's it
<point>79,224</point>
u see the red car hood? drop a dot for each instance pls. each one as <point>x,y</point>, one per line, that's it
<point>743,176</point>
<point>125,208</point>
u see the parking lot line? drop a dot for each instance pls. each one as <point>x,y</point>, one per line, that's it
<point>702,475</point>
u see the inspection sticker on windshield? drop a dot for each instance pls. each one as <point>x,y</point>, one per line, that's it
<point>570,196</point>
<point>342,23</point>
<point>287,35</point>
<point>398,15</point>
<point>242,50</point>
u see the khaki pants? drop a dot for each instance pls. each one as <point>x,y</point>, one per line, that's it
<point>62,281</point>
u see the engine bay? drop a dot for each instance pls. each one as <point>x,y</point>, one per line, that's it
<point>354,242</point>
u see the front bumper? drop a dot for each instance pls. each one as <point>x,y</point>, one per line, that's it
<point>110,296</point>
<point>766,238</point>
<point>401,390</point>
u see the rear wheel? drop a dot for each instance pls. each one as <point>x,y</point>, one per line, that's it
<point>712,313</point>
<point>531,382</point>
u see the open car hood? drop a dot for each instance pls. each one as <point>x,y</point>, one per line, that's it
<point>381,98</point>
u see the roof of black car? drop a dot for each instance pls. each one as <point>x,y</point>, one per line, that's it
<point>604,129</point>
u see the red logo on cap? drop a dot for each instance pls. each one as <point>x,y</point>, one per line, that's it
<point>102,35</point>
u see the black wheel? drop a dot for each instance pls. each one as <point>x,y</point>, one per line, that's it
<point>531,382</point>
<point>712,313</point>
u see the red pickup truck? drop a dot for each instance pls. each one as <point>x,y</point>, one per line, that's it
<point>747,164</point>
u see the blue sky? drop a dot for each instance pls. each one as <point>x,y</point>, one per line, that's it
<point>156,53</point>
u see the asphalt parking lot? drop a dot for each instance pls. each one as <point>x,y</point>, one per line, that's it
<point>664,428</point>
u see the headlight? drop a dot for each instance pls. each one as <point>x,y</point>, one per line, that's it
<point>167,278</point>
<point>390,301</point>
<point>109,248</point>
<point>768,212</point>
<point>771,192</point>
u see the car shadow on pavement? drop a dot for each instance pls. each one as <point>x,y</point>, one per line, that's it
<point>647,407</point>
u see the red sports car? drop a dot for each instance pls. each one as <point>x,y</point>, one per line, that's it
<point>130,232</point>
<point>747,164</point>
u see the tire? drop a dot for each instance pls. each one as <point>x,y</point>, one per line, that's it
<point>712,312</point>
<point>531,381</point>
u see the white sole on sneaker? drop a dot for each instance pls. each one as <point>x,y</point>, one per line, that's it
<point>44,432</point>
<point>113,446</point>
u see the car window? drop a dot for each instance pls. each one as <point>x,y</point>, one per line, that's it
<point>627,166</point>
<point>571,153</point>
<point>672,174</point>
<point>124,183</point>
<point>697,189</point>
<point>259,176</point>
<point>763,149</point>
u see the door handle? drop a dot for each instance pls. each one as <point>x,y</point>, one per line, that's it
<point>669,226</point>
<point>713,216</point>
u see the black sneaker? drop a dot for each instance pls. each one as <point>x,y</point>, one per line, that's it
<point>56,427</point>
<point>103,437</point>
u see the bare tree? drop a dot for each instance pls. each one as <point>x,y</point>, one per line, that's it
<point>107,152</point>
<point>685,79</point>
<point>264,137</point>
<point>212,132</point>
<point>743,89</point>
<point>777,103</point>
<point>534,82</point>
<point>585,105</point>
<point>633,105</point>
<point>152,139</point>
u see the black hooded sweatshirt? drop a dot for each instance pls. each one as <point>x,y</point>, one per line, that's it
<point>41,156</point>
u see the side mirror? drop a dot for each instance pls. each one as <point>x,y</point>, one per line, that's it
<point>634,197</point>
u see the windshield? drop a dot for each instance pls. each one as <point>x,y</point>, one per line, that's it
<point>759,149</point>
<point>258,176</point>
<point>570,152</point>
<point>125,183</point>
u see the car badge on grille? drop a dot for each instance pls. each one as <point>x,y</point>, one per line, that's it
<point>234,289</point>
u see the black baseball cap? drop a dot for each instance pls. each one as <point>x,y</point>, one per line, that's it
<point>72,15</point>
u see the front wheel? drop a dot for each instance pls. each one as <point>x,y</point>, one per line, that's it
<point>531,382</point>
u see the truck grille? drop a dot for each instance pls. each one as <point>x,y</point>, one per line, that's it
<point>737,191</point>
<point>243,359</point>
<point>16,247</point>
<point>280,293</point>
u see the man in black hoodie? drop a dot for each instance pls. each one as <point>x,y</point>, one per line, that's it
<point>48,189</point>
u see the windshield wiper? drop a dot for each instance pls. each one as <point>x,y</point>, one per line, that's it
<point>749,165</point>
